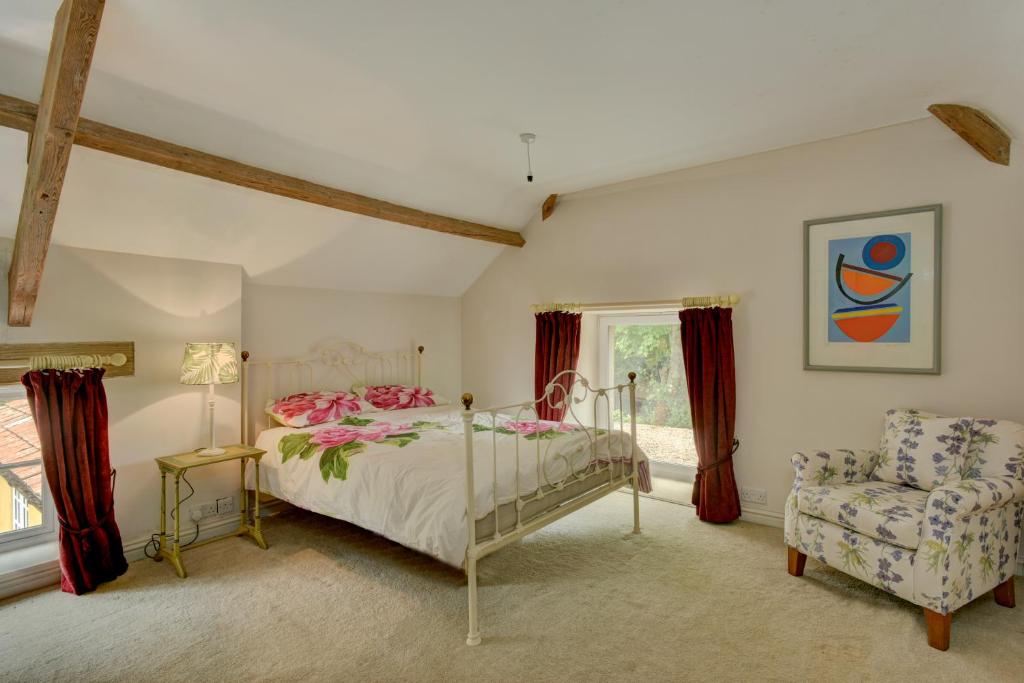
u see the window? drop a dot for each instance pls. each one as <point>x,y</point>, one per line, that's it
<point>26,514</point>
<point>649,345</point>
<point>19,510</point>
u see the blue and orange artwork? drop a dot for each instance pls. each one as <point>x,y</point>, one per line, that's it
<point>869,289</point>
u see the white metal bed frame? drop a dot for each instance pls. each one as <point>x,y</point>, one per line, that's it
<point>621,471</point>
<point>343,362</point>
<point>568,390</point>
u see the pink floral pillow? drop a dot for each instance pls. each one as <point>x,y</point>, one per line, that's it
<point>399,396</point>
<point>313,408</point>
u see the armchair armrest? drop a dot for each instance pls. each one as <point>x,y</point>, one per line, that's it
<point>972,496</point>
<point>840,466</point>
<point>969,541</point>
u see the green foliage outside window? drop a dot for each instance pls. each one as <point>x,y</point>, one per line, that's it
<point>654,353</point>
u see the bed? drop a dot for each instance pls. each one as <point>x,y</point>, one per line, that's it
<point>416,475</point>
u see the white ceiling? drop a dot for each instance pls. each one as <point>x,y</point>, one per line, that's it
<point>421,102</point>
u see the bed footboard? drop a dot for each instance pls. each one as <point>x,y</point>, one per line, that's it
<point>606,458</point>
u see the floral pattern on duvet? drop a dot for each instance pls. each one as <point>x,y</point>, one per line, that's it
<point>336,443</point>
<point>531,430</point>
<point>352,435</point>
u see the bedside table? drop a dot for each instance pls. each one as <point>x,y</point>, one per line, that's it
<point>177,465</point>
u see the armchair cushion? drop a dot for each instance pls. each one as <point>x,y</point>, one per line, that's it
<point>923,452</point>
<point>996,450</point>
<point>825,468</point>
<point>895,419</point>
<point>891,513</point>
<point>883,565</point>
<point>820,468</point>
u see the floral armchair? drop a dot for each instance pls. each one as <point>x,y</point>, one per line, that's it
<point>933,515</point>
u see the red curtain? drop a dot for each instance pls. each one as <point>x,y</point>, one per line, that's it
<point>557,350</point>
<point>70,412</point>
<point>711,383</point>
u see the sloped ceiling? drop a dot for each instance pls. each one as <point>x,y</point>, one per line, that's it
<point>420,103</point>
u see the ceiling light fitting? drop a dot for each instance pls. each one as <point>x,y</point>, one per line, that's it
<point>528,139</point>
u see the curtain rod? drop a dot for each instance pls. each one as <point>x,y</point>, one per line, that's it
<point>68,362</point>
<point>726,300</point>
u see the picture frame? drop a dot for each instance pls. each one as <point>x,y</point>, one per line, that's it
<point>872,292</point>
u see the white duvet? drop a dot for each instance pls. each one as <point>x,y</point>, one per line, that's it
<point>401,473</point>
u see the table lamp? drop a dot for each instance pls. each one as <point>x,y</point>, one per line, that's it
<point>210,363</point>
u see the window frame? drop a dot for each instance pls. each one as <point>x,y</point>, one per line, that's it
<point>45,532</point>
<point>605,321</point>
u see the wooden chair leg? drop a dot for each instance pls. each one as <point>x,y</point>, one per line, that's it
<point>1004,594</point>
<point>938,628</point>
<point>797,560</point>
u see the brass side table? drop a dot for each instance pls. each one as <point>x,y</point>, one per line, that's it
<point>177,465</point>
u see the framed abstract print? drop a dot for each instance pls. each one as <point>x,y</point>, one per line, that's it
<point>872,291</point>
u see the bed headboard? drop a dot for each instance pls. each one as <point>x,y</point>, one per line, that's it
<point>332,364</point>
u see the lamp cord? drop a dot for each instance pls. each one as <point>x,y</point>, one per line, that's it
<point>154,539</point>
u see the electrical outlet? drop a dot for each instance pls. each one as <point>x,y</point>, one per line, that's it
<point>225,505</point>
<point>757,496</point>
<point>200,510</point>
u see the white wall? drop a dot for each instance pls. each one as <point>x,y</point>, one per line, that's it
<point>736,226</point>
<point>285,322</point>
<point>159,304</point>
<point>162,303</point>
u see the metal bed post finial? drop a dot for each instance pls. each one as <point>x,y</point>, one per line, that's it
<point>419,366</point>
<point>245,398</point>
<point>473,636</point>
<point>632,428</point>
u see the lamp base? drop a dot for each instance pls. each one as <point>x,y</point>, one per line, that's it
<point>211,451</point>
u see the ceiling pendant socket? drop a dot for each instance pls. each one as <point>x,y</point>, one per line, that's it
<point>528,139</point>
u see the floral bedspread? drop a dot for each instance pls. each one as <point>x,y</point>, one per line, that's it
<point>332,444</point>
<point>401,473</point>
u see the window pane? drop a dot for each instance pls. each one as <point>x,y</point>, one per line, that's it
<point>654,352</point>
<point>21,487</point>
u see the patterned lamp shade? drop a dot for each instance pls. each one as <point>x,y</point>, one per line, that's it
<point>209,363</point>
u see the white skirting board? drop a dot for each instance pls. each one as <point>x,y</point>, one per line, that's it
<point>763,517</point>
<point>48,573</point>
<point>214,526</point>
<point>29,578</point>
<point>678,492</point>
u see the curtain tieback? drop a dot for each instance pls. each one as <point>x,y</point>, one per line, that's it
<point>721,461</point>
<point>90,528</point>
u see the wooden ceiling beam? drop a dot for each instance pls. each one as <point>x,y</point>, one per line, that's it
<point>52,134</point>
<point>15,113</point>
<point>977,129</point>
<point>19,114</point>
<point>548,207</point>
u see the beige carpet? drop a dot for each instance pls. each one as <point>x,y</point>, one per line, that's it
<point>581,600</point>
